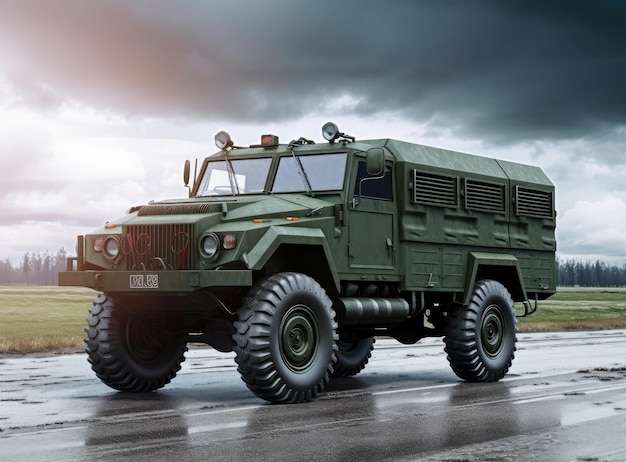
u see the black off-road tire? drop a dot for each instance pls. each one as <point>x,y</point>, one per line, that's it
<point>285,338</point>
<point>353,354</point>
<point>130,351</point>
<point>480,337</point>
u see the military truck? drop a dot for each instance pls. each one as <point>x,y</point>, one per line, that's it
<point>296,256</point>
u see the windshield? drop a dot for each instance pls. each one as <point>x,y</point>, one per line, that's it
<point>250,176</point>
<point>324,172</point>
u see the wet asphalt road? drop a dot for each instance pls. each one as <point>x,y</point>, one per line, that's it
<point>564,399</point>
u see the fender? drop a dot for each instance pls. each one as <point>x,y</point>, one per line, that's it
<point>276,236</point>
<point>497,266</point>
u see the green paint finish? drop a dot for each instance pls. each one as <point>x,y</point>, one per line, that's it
<point>433,222</point>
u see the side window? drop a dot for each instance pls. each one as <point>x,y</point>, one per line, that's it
<point>373,187</point>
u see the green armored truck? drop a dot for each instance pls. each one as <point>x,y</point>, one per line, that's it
<point>296,256</point>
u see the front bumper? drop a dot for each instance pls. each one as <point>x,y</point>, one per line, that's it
<point>155,281</point>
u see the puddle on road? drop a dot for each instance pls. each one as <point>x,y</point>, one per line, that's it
<point>588,413</point>
<point>604,374</point>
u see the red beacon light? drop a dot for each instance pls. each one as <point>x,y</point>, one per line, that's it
<point>268,141</point>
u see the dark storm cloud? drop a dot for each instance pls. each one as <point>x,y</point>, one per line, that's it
<point>501,70</point>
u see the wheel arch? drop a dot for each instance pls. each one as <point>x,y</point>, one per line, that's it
<point>503,268</point>
<point>303,250</point>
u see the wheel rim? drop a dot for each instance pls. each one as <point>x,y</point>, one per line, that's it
<point>493,331</point>
<point>142,342</point>
<point>299,338</point>
<point>347,347</point>
<point>348,343</point>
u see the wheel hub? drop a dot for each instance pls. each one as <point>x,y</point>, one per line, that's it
<point>299,337</point>
<point>143,340</point>
<point>492,332</point>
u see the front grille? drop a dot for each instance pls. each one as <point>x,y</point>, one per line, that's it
<point>159,247</point>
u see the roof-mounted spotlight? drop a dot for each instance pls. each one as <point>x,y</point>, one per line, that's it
<point>223,140</point>
<point>331,133</point>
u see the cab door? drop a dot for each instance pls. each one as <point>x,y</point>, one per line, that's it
<point>372,220</point>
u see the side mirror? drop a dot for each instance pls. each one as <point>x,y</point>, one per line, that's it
<point>375,161</point>
<point>186,173</point>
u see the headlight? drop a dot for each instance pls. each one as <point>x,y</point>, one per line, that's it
<point>111,247</point>
<point>209,245</point>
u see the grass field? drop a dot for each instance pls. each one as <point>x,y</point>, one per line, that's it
<point>42,318</point>
<point>35,319</point>
<point>579,308</point>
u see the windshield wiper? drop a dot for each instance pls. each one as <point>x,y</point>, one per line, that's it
<point>232,178</point>
<point>305,178</point>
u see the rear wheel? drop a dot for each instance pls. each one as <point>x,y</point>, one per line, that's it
<point>131,351</point>
<point>480,337</point>
<point>285,338</point>
<point>353,354</point>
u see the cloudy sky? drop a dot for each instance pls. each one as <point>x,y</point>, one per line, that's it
<point>102,101</point>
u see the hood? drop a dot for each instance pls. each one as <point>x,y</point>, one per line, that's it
<point>237,207</point>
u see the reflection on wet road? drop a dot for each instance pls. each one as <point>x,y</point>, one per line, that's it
<point>564,399</point>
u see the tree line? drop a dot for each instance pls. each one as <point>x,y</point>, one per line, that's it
<point>572,273</point>
<point>37,268</point>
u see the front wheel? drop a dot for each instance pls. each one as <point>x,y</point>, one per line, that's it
<point>480,337</point>
<point>131,351</point>
<point>285,338</point>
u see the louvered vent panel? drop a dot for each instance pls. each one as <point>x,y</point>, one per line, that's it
<point>484,197</point>
<point>533,203</point>
<point>434,189</point>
